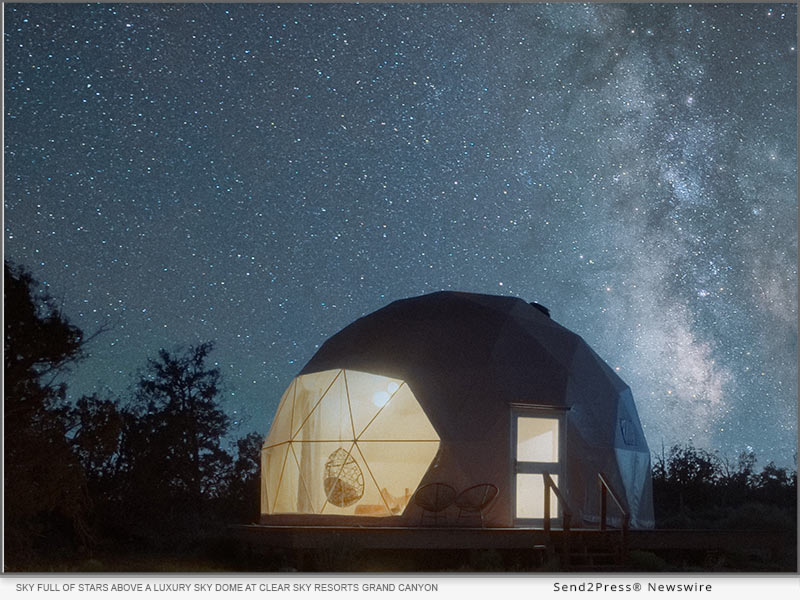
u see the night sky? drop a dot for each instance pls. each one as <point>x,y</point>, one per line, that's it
<point>261,175</point>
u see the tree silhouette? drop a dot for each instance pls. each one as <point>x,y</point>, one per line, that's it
<point>171,458</point>
<point>241,499</point>
<point>99,475</point>
<point>45,492</point>
<point>96,426</point>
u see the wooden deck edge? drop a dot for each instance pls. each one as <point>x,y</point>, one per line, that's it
<point>298,537</point>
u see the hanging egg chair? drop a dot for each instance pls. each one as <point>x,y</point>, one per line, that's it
<point>343,479</point>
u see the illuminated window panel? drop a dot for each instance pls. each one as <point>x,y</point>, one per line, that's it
<point>530,496</point>
<point>368,397</point>
<point>392,475</point>
<point>537,439</point>
<point>346,443</point>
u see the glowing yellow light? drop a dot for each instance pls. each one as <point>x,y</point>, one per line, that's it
<point>345,443</point>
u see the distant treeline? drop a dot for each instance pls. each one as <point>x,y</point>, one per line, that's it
<point>148,473</point>
<point>694,488</point>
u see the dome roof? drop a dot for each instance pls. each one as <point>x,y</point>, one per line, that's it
<point>474,353</point>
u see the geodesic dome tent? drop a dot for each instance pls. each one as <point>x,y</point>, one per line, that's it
<point>453,388</point>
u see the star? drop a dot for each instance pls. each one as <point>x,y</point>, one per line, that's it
<point>263,175</point>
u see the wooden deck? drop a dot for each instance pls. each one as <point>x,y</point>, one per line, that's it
<point>315,536</point>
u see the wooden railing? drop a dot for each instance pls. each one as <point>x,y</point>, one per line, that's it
<point>605,492</point>
<point>550,485</point>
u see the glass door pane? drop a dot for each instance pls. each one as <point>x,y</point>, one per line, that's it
<point>530,496</point>
<point>537,440</point>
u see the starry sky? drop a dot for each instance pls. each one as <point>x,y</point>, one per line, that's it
<point>261,175</point>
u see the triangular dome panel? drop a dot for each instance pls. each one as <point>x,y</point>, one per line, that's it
<point>329,420</point>
<point>285,495</point>
<point>401,419</point>
<point>281,429</point>
<point>304,501</point>
<point>397,468</point>
<point>271,471</point>
<point>309,391</point>
<point>368,394</point>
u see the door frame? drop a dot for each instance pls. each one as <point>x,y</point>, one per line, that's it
<point>553,468</point>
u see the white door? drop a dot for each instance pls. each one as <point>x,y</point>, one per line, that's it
<point>538,438</point>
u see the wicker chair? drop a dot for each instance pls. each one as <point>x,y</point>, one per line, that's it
<point>433,499</point>
<point>474,500</point>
